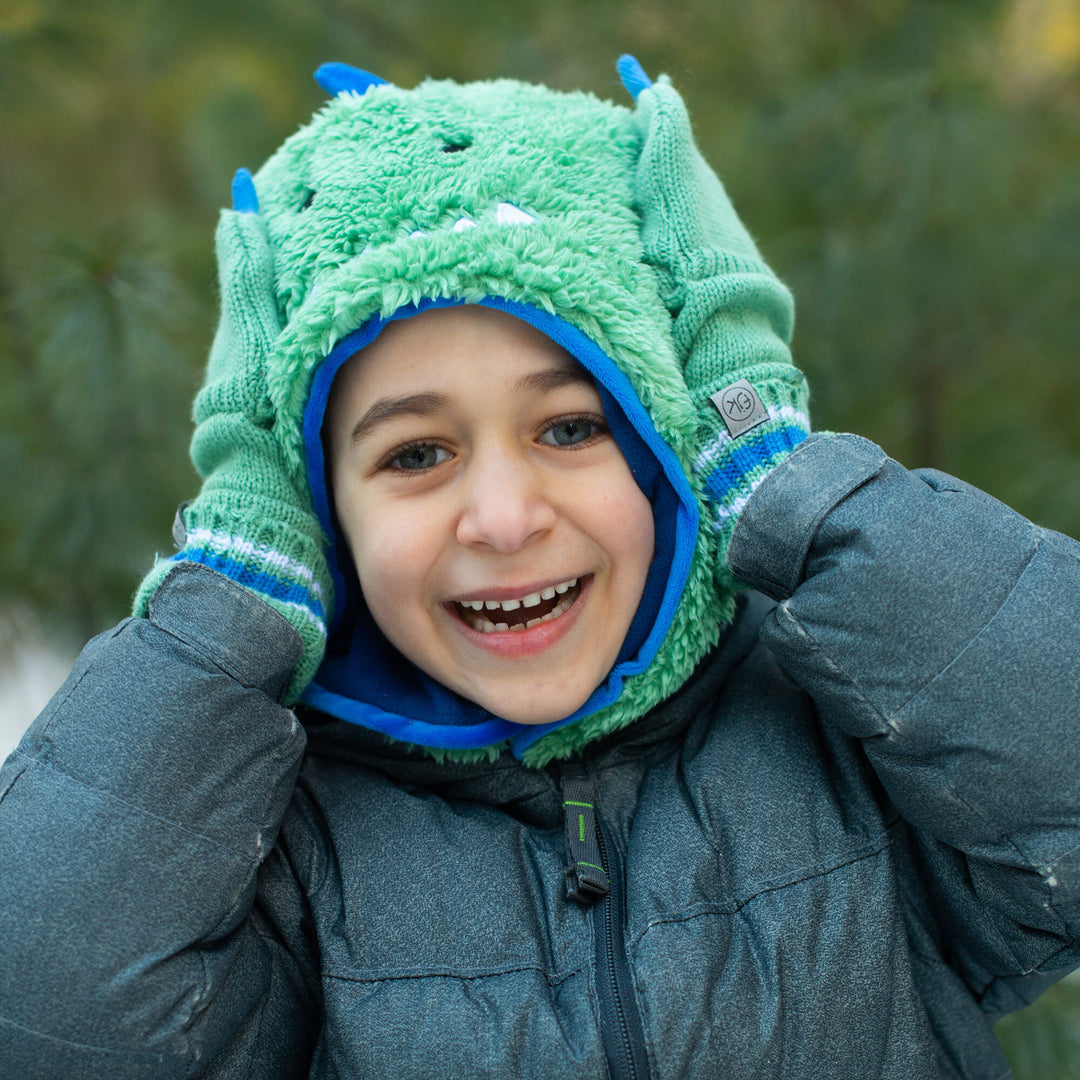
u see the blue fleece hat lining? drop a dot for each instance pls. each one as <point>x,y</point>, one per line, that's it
<point>366,681</point>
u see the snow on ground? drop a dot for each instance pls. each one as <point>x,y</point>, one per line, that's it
<point>30,673</point>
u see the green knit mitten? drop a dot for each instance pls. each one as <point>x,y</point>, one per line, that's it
<point>732,316</point>
<point>252,519</point>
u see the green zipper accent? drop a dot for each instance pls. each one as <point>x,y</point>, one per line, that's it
<point>584,869</point>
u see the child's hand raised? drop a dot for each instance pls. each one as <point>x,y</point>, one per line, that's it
<point>252,520</point>
<point>732,316</point>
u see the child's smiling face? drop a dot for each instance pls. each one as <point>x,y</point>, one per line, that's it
<point>499,537</point>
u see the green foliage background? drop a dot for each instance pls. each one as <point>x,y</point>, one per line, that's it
<point>911,169</point>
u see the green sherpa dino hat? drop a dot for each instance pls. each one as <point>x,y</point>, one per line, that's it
<point>542,204</point>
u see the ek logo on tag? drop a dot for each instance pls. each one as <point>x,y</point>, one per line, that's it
<point>740,407</point>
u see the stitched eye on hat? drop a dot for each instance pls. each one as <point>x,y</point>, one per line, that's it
<point>456,144</point>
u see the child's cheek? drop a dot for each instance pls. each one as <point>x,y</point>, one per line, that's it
<point>391,544</point>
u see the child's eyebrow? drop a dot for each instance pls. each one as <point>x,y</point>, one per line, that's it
<point>555,378</point>
<point>429,403</point>
<point>386,408</point>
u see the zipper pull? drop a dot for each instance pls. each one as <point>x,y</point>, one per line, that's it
<point>586,879</point>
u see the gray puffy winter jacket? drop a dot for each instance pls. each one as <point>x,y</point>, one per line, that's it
<point>845,847</point>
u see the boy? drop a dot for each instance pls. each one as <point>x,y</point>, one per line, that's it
<point>499,424</point>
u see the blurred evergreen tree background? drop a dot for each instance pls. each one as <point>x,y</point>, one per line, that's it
<point>911,169</point>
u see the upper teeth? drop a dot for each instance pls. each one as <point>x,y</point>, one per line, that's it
<point>522,601</point>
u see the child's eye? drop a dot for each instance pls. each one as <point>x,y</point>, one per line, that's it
<point>571,431</point>
<point>417,457</point>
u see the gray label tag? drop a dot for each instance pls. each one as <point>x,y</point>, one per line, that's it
<point>179,529</point>
<point>739,406</point>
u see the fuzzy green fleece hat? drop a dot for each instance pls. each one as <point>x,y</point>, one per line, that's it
<point>594,222</point>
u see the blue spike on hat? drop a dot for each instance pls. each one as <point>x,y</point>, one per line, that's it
<point>632,75</point>
<point>245,199</point>
<point>337,78</point>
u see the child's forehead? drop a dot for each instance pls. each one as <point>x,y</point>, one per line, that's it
<point>459,344</point>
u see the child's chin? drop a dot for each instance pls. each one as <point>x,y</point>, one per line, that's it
<point>535,721</point>
<point>547,713</point>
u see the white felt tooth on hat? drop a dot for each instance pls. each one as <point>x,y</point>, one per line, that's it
<point>509,214</point>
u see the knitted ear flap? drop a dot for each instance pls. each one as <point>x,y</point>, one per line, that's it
<point>732,316</point>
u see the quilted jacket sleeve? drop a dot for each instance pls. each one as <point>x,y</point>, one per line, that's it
<point>136,818</point>
<point>942,629</point>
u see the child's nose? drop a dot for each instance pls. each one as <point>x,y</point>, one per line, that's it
<point>506,505</point>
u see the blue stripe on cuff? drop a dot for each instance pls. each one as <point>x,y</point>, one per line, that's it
<point>753,454</point>
<point>259,581</point>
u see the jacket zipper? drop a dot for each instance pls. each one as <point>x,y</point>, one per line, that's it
<point>620,1022</point>
<point>594,876</point>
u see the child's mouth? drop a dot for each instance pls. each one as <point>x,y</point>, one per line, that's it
<point>521,613</point>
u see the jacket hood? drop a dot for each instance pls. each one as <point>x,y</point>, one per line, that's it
<point>521,198</point>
